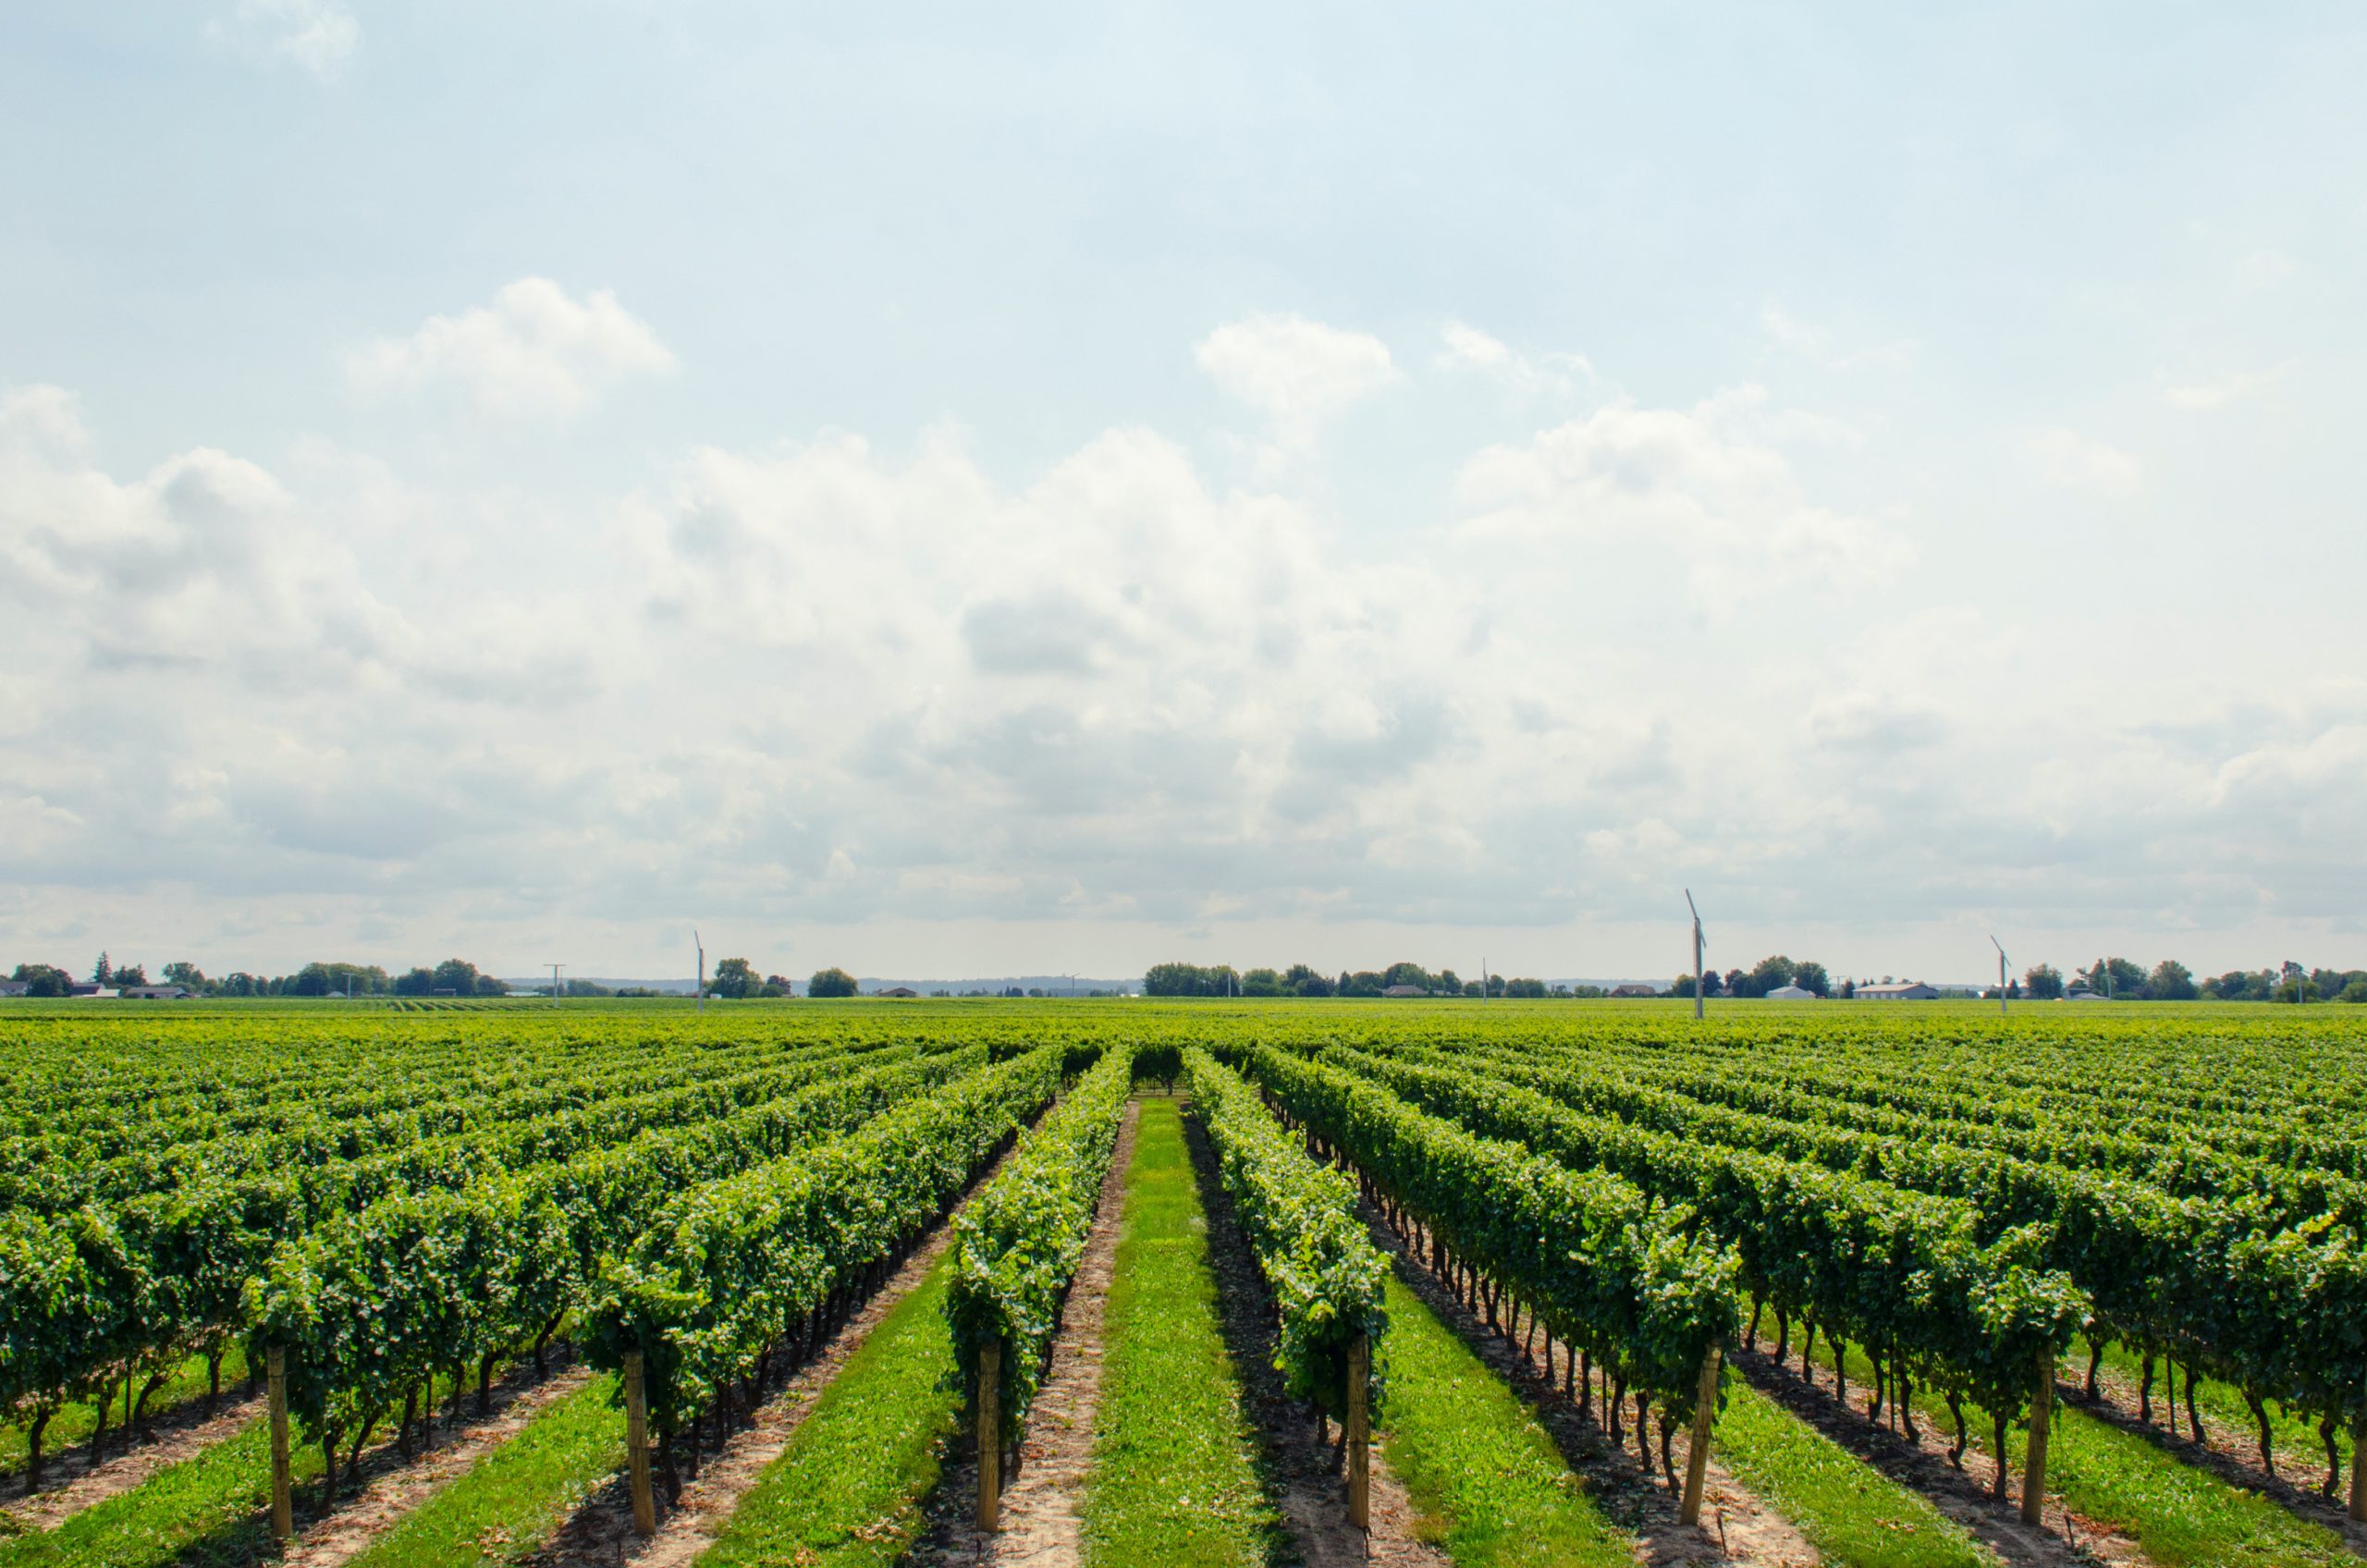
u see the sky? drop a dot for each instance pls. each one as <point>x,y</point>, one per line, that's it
<point>968,491</point>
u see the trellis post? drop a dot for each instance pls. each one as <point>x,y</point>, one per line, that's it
<point>1705,1415</point>
<point>2358,1470</point>
<point>644,1502</point>
<point>990,1435</point>
<point>283,1504</point>
<point>2034,1467</point>
<point>1359,1435</point>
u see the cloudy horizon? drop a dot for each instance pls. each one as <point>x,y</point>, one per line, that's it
<point>1066,492</point>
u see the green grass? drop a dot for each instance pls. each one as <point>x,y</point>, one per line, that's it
<point>1854,1517</point>
<point>2181,1515</point>
<point>210,1510</point>
<point>511,1501</point>
<point>1173,1482</point>
<point>848,1489</point>
<point>71,1426</point>
<point>1490,1484</point>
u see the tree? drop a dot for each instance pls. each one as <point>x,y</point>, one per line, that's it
<point>735,978</point>
<point>183,973</point>
<point>1810,976</point>
<point>2170,981</point>
<point>456,975</point>
<point>132,974</point>
<point>415,982</point>
<point>2044,982</point>
<point>2354,992</point>
<point>44,980</point>
<point>1304,981</point>
<point>102,972</point>
<point>831,983</point>
<point>2119,978</point>
<point>1262,983</point>
<point>1683,987</point>
<point>1525,988</point>
<point>1767,975</point>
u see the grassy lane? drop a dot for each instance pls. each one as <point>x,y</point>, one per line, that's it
<point>72,1424</point>
<point>1173,1482</point>
<point>2179,1515</point>
<point>1491,1487</point>
<point>1854,1516</point>
<point>508,1503</point>
<point>850,1487</point>
<point>209,1511</point>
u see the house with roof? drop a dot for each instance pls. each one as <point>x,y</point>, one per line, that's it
<point>1404,991</point>
<point>1791,994</point>
<point>1634,989</point>
<point>1899,991</point>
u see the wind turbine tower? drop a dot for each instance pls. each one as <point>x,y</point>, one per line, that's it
<point>1697,952</point>
<point>701,1007</point>
<point>2001,977</point>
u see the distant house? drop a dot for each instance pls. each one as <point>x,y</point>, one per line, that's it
<point>1404,991</point>
<point>86,989</point>
<point>1792,994</point>
<point>1634,989</point>
<point>14,988</point>
<point>154,993</point>
<point>897,992</point>
<point>1902,991</point>
<point>2082,994</point>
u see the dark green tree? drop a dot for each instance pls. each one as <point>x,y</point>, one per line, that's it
<point>831,983</point>
<point>735,978</point>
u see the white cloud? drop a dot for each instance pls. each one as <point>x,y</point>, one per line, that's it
<point>2204,396</point>
<point>534,351</point>
<point>1815,343</point>
<point>319,36</point>
<point>1668,491</point>
<point>2082,462</point>
<point>1296,372</point>
<point>1469,348</point>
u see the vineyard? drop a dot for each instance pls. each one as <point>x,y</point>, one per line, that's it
<point>1125,1282</point>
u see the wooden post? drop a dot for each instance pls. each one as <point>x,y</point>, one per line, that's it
<point>644,1502</point>
<point>1697,1462</point>
<point>1359,1435</point>
<point>283,1504</point>
<point>2034,1467</point>
<point>2358,1470</point>
<point>990,1435</point>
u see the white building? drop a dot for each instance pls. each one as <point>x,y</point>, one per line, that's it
<point>1902,991</point>
<point>1791,994</point>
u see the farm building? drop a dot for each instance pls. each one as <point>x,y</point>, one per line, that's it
<point>1902,991</point>
<point>1634,989</point>
<point>897,992</point>
<point>154,993</point>
<point>14,988</point>
<point>1404,991</point>
<point>1791,994</point>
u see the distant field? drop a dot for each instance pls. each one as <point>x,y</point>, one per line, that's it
<point>389,1197</point>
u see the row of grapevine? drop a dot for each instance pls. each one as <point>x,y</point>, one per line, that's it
<point>1300,1218</point>
<point>2230,1283</point>
<point>702,1297</point>
<point>1635,1284</point>
<point>99,1292</point>
<point>1907,1275</point>
<point>371,1304</point>
<point>1017,1245</point>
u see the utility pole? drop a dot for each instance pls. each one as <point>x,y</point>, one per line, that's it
<point>2001,977</point>
<point>555,969</point>
<point>1698,986</point>
<point>701,1008</point>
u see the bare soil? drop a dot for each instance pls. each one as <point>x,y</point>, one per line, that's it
<point>1041,1501</point>
<point>70,1485</point>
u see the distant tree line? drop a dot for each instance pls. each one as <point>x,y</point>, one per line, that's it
<point>1304,980</point>
<point>1767,975</point>
<point>454,976</point>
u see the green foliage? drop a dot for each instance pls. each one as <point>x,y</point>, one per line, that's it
<point>1607,1268</point>
<point>828,983</point>
<point>1301,1222</point>
<point>1017,1245</point>
<point>737,1262</point>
